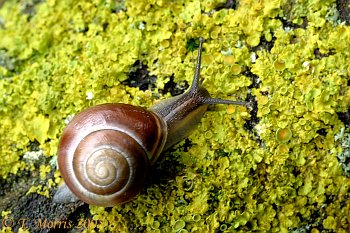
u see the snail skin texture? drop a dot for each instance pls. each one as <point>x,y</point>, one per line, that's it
<point>106,150</point>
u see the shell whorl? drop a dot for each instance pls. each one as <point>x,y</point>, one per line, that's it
<point>104,158</point>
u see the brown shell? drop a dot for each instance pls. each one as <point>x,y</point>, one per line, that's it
<point>105,152</point>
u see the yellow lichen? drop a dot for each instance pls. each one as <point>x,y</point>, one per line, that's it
<point>283,134</point>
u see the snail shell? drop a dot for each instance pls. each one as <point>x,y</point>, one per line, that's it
<point>108,160</point>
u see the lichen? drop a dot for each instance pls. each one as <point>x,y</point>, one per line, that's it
<point>292,57</point>
<point>283,134</point>
<point>344,155</point>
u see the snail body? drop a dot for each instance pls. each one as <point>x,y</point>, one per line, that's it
<point>105,151</point>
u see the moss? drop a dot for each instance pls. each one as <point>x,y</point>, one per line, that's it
<point>64,56</point>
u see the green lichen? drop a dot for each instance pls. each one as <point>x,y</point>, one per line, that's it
<point>344,155</point>
<point>68,55</point>
<point>283,134</point>
<point>179,225</point>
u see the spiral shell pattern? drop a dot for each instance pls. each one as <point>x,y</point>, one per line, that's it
<point>105,161</point>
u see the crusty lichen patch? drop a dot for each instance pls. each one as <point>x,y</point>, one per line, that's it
<point>67,55</point>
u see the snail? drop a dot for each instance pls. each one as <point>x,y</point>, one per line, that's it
<point>105,152</point>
